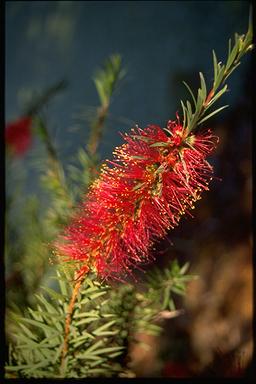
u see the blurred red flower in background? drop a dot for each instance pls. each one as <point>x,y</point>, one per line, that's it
<point>18,135</point>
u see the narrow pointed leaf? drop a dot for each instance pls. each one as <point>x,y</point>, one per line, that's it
<point>203,85</point>
<point>215,65</point>
<point>99,330</point>
<point>211,114</point>
<point>55,295</point>
<point>190,91</point>
<point>160,144</point>
<point>232,56</point>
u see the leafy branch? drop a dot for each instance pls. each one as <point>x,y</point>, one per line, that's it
<point>46,96</point>
<point>40,336</point>
<point>102,320</point>
<point>195,114</point>
<point>106,81</point>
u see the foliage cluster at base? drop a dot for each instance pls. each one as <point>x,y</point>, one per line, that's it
<point>105,321</point>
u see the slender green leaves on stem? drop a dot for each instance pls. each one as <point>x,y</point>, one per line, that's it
<point>104,321</point>
<point>106,81</point>
<point>192,117</point>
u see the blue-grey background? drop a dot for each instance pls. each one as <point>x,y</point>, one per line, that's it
<point>161,43</point>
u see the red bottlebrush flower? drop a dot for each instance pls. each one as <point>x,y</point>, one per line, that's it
<point>18,135</point>
<point>154,179</point>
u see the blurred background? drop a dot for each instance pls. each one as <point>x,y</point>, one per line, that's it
<point>161,44</point>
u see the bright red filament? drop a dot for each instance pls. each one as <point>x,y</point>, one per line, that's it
<point>154,179</point>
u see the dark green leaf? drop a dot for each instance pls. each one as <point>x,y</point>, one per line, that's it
<point>232,56</point>
<point>211,114</point>
<point>215,65</point>
<point>190,91</point>
<point>142,138</point>
<point>160,144</point>
<point>55,295</point>
<point>41,325</point>
<point>138,186</point>
<point>217,96</point>
<point>203,85</point>
<point>219,78</point>
<point>99,331</point>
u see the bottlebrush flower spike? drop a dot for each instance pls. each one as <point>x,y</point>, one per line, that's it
<point>154,179</point>
<point>18,135</point>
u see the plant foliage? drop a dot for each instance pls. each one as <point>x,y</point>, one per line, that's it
<point>104,320</point>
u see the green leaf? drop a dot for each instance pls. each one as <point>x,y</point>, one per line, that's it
<point>27,332</point>
<point>106,350</point>
<point>87,320</point>
<point>106,79</point>
<point>107,315</point>
<point>200,100</point>
<point>62,284</point>
<point>153,329</point>
<point>93,313</point>
<point>190,91</point>
<point>188,278</point>
<point>203,85</point>
<point>101,91</point>
<point>184,269</point>
<point>219,78</point>
<point>184,110</point>
<point>232,56</point>
<point>232,70</point>
<point>229,46</point>
<point>91,349</point>
<point>168,131</point>
<point>217,96</point>
<point>171,305</point>
<point>16,368</point>
<point>139,157</point>
<point>138,186</point>
<point>215,65</point>
<point>55,295</point>
<point>142,138</point>
<point>92,297</point>
<point>160,144</point>
<point>189,110</point>
<point>100,331</point>
<point>178,290</point>
<point>40,325</point>
<point>97,362</point>
<point>85,336</point>
<point>92,288</point>
<point>47,305</point>
<point>98,371</point>
<point>50,316</point>
<point>30,343</point>
<point>36,314</point>
<point>211,114</point>
<point>166,297</point>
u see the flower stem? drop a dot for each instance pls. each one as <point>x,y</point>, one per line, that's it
<point>45,97</point>
<point>67,324</point>
<point>97,129</point>
<point>209,97</point>
<point>54,162</point>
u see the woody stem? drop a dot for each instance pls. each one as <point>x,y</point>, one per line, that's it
<point>209,97</point>
<point>67,324</point>
<point>97,127</point>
